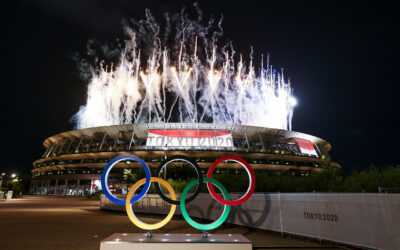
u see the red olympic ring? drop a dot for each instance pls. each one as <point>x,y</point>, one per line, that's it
<point>250,172</point>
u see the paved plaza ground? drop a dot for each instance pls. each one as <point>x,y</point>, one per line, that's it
<point>77,223</point>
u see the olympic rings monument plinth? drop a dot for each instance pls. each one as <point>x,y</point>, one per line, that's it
<point>202,240</point>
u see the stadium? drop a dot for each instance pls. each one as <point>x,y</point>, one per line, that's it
<point>72,161</point>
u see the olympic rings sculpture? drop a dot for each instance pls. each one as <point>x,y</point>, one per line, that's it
<point>183,200</point>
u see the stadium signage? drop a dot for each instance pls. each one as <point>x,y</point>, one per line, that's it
<point>321,216</point>
<point>189,138</point>
<point>306,147</point>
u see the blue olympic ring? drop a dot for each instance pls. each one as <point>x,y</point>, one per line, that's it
<point>107,169</point>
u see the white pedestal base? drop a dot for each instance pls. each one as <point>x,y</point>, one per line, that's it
<point>176,242</point>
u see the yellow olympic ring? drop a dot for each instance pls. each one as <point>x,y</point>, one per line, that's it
<point>131,214</point>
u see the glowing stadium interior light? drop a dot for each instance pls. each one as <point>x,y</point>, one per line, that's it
<point>177,71</point>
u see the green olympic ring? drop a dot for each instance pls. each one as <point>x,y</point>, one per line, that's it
<point>216,223</point>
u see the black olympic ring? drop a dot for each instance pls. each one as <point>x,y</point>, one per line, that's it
<point>178,158</point>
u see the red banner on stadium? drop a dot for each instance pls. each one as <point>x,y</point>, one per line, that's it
<point>306,147</point>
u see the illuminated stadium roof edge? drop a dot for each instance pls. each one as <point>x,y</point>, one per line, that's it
<point>141,131</point>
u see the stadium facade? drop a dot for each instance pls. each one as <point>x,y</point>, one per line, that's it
<point>73,161</point>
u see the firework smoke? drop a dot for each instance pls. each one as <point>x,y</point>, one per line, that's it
<point>183,75</point>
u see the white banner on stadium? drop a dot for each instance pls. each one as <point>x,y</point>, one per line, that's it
<point>189,138</point>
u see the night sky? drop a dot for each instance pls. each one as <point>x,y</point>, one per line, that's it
<point>342,59</point>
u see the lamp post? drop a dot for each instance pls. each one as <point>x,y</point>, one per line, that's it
<point>127,180</point>
<point>1,178</point>
<point>14,176</point>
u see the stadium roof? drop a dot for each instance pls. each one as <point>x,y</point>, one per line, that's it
<point>141,130</point>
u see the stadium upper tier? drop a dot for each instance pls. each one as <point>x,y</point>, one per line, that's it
<point>263,148</point>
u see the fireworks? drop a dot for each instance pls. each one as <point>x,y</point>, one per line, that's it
<point>194,80</point>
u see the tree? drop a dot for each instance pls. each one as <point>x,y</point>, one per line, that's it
<point>129,177</point>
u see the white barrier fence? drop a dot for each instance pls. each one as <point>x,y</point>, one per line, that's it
<point>361,219</point>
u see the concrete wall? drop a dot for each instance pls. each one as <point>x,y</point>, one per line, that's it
<point>361,219</point>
